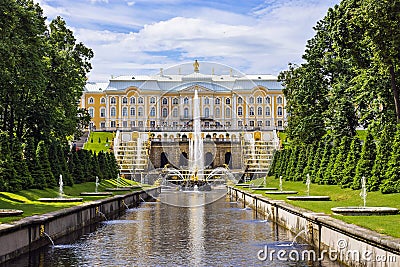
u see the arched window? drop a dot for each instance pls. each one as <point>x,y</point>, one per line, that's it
<point>186,101</point>
<point>175,101</point>
<point>102,100</point>
<point>165,101</point>
<point>240,111</point>
<point>91,112</point>
<point>280,113</point>
<point>152,100</point>
<point>133,100</point>
<point>251,112</point>
<point>217,101</point>
<point>259,111</point>
<point>186,113</point>
<point>175,112</point>
<point>206,112</point>
<point>217,112</point>
<point>102,112</point>
<point>152,111</point>
<point>268,111</point>
<point>140,112</point>
<point>91,100</point>
<point>251,100</point>
<point>268,100</point>
<point>228,112</point>
<point>125,112</point>
<point>279,100</point>
<point>259,100</point>
<point>240,100</point>
<point>133,112</point>
<point>113,100</point>
<point>140,100</point>
<point>228,101</point>
<point>113,112</point>
<point>206,101</point>
<point>165,112</point>
<point>125,100</point>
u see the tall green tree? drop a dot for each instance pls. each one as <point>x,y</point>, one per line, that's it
<point>392,182</point>
<point>351,163</point>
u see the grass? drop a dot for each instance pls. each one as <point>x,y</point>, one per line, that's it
<point>340,197</point>
<point>96,146</point>
<point>27,200</point>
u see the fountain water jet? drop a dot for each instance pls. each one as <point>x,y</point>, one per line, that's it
<point>96,193</point>
<point>61,197</point>
<point>364,210</point>
<point>308,197</point>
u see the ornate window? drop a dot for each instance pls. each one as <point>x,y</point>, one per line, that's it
<point>280,112</point>
<point>175,112</point>
<point>217,101</point>
<point>175,101</point>
<point>228,101</point>
<point>268,100</point>
<point>206,112</point>
<point>206,101</point>
<point>140,111</point>
<point>102,113</point>
<point>240,111</point>
<point>91,100</point>
<point>133,112</point>
<point>91,112</point>
<point>186,113</point>
<point>186,101</point>
<point>133,100</point>
<point>251,112</point>
<point>113,112</point>
<point>153,111</point>
<point>113,100</point>
<point>267,111</point>
<point>259,111</point>
<point>140,100</point>
<point>165,101</point>
<point>102,100</point>
<point>240,100</point>
<point>251,100</point>
<point>228,112</point>
<point>279,100</point>
<point>125,100</point>
<point>125,112</point>
<point>152,100</point>
<point>259,100</point>
<point>165,112</point>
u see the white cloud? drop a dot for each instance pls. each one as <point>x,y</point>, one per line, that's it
<point>98,1</point>
<point>131,3</point>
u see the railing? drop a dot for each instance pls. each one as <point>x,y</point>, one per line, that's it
<point>190,129</point>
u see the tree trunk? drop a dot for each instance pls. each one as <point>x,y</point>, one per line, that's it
<point>395,92</point>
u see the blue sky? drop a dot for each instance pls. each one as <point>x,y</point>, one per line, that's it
<point>141,36</point>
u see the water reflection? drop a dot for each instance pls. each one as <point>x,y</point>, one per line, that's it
<point>221,233</point>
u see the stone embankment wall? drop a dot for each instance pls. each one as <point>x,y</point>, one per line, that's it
<point>30,233</point>
<point>353,245</point>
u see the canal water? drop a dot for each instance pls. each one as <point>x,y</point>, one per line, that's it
<point>177,230</point>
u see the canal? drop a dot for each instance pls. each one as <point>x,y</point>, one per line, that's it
<point>180,229</point>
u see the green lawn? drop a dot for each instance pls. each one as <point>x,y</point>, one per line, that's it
<point>26,200</point>
<point>96,146</point>
<point>342,197</point>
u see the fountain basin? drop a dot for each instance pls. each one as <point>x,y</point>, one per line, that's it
<point>10,212</point>
<point>244,185</point>
<point>310,198</point>
<point>281,192</point>
<point>119,189</point>
<point>60,199</point>
<point>364,211</point>
<point>96,194</point>
<point>264,188</point>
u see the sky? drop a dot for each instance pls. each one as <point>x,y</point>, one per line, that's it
<point>138,37</point>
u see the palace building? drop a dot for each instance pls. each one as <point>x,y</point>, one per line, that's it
<point>231,104</point>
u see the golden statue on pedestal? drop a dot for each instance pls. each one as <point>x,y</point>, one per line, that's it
<point>196,66</point>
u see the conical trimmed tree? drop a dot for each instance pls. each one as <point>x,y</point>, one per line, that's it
<point>292,164</point>
<point>338,167</point>
<point>310,160</point>
<point>43,157</point>
<point>392,175</point>
<point>301,163</point>
<point>366,162</point>
<point>351,163</point>
<point>327,177</point>
<point>317,160</point>
<point>383,154</point>
<point>8,180</point>
<point>325,160</point>
<point>21,166</point>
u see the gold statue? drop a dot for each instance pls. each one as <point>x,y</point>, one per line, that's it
<point>196,66</point>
